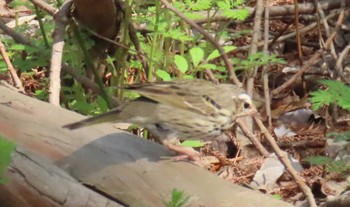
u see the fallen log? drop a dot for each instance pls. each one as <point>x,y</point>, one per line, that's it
<point>110,166</point>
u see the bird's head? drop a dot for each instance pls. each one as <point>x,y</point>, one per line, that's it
<point>244,105</point>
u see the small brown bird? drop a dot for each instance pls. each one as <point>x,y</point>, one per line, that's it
<point>186,109</point>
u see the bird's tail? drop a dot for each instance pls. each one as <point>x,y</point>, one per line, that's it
<point>110,116</point>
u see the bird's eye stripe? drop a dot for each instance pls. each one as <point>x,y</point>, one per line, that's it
<point>212,102</point>
<point>244,96</point>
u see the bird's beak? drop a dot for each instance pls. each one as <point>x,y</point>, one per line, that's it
<point>257,115</point>
<point>254,113</point>
<point>251,112</point>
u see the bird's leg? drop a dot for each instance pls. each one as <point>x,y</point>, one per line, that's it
<point>185,152</point>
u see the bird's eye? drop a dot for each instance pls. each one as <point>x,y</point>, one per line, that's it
<point>246,106</point>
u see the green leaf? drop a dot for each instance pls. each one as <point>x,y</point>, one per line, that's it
<point>42,94</point>
<point>318,160</point>
<point>177,34</point>
<point>239,14</point>
<point>342,136</point>
<point>181,63</point>
<point>199,5</point>
<point>178,199</point>
<point>18,47</point>
<point>193,143</point>
<point>188,77</point>
<point>277,196</point>
<point>223,5</point>
<point>163,75</point>
<point>216,54</point>
<point>197,55</point>
<point>193,16</point>
<point>6,149</point>
<point>102,104</point>
<point>338,166</point>
<point>208,66</point>
<point>337,93</point>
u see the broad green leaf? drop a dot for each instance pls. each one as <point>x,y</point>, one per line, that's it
<point>208,66</point>
<point>102,104</point>
<point>188,77</point>
<point>216,54</point>
<point>277,196</point>
<point>165,76</point>
<point>6,148</point>
<point>197,55</point>
<point>193,143</point>
<point>17,47</point>
<point>181,63</point>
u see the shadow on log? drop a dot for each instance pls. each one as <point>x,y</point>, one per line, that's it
<point>121,168</point>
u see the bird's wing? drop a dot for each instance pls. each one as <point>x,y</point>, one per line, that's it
<point>196,95</point>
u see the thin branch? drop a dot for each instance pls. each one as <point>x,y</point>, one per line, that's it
<point>254,44</point>
<point>18,38</point>
<point>285,161</point>
<point>90,64</point>
<point>326,27</point>
<point>297,32</point>
<point>252,138</point>
<point>339,65</point>
<point>45,6</point>
<point>85,81</point>
<point>10,68</point>
<point>227,61</point>
<point>275,11</point>
<point>61,21</point>
<point>290,35</point>
<point>265,72</point>
<point>135,41</point>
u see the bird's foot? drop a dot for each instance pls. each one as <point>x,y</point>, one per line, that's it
<point>185,154</point>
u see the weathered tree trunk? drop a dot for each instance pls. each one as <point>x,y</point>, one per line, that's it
<point>120,167</point>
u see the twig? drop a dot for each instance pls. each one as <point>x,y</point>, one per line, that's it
<point>90,64</point>
<point>18,38</point>
<point>297,32</point>
<point>265,72</point>
<point>252,138</point>
<point>338,65</point>
<point>61,20</point>
<point>275,11</point>
<point>41,25</point>
<point>254,44</point>
<point>68,69</point>
<point>303,69</point>
<point>86,82</point>
<point>135,41</point>
<point>312,60</point>
<point>321,15</point>
<point>285,161</point>
<point>211,76</point>
<point>290,35</point>
<point>227,61</point>
<point>46,7</point>
<point>251,74</point>
<point>10,68</point>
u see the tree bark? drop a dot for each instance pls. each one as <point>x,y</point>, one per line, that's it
<point>121,168</point>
